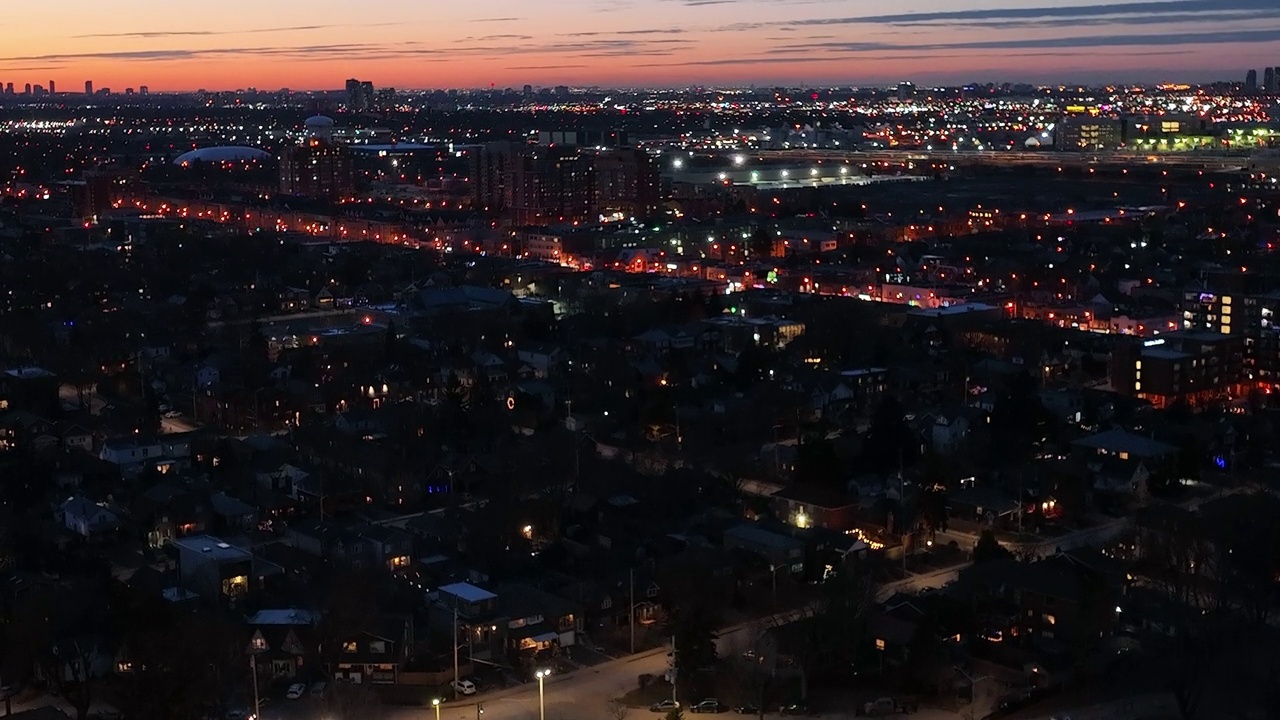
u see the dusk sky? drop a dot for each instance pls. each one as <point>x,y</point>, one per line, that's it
<point>408,44</point>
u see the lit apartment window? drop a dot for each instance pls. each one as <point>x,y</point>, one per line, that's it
<point>235,586</point>
<point>350,647</point>
<point>1137,365</point>
<point>1226,299</point>
<point>1226,310</point>
<point>1049,619</point>
<point>1137,386</point>
<point>879,644</point>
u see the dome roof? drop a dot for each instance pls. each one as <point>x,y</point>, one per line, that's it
<point>319,121</point>
<point>221,154</point>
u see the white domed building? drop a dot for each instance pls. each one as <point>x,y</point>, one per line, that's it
<point>221,154</point>
<point>320,128</point>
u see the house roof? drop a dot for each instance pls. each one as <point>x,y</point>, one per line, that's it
<point>1118,441</point>
<point>827,498</point>
<point>227,506</point>
<point>468,592</point>
<point>212,547</point>
<point>750,533</point>
<point>283,616</point>
<point>81,507</point>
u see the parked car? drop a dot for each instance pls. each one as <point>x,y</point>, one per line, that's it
<point>794,709</point>
<point>318,688</point>
<point>463,687</point>
<point>296,691</point>
<point>882,706</point>
<point>709,705</point>
<point>664,706</point>
<point>747,709</point>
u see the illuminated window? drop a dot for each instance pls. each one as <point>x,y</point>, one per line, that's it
<point>1051,620</point>
<point>350,647</point>
<point>235,586</point>
<point>377,646</point>
<point>879,644</point>
<point>1137,365</point>
<point>1137,386</point>
<point>1226,299</point>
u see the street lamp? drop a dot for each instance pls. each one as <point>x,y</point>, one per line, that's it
<point>435,703</point>
<point>542,708</point>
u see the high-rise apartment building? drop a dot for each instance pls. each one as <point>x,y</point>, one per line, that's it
<point>538,185</point>
<point>359,95</point>
<point>53,88</point>
<point>88,87</point>
<point>1251,81</point>
<point>1269,79</point>
<point>1240,308</point>
<point>319,167</point>
<point>1088,133</point>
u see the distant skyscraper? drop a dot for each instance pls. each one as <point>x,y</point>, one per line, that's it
<point>8,89</point>
<point>88,87</point>
<point>319,167</point>
<point>26,89</point>
<point>1251,81</point>
<point>144,90</point>
<point>359,95</point>
<point>1269,79</point>
<point>528,91</point>
<point>53,88</point>
<point>906,91</point>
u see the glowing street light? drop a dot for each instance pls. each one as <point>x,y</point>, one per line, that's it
<point>542,708</point>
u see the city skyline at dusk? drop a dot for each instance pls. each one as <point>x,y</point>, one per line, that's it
<point>316,45</point>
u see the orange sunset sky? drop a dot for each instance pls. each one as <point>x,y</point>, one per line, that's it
<point>170,45</point>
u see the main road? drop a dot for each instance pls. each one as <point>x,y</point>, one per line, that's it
<point>585,694</point>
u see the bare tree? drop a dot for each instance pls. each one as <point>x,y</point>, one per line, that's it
<point>617,710</point>
<point>69,668</point>
<point>351,701</point>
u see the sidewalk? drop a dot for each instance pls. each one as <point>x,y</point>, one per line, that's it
<point>1139,707</point>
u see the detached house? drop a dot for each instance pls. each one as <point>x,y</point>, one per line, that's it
<point>279,639</point>
<point>88,519</point>
<point>375,656</point>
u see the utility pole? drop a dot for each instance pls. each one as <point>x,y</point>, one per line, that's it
<point>902,499</point>
<point>631,604</point>
<point>253,672</point>
<point>675,670</point>
<point>455,650</point>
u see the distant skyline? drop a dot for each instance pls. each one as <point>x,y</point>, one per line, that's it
<point>410,44</point>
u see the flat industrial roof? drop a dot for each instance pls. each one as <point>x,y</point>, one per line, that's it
<point>468,592</point>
